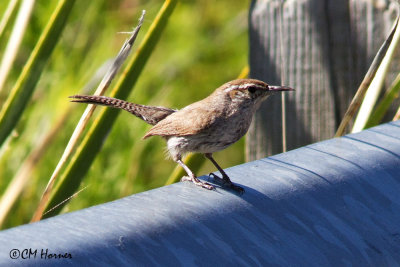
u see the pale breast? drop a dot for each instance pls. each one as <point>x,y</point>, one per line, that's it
<point>221,134</point>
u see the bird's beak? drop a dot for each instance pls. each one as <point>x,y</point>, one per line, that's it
<point>277,88</point>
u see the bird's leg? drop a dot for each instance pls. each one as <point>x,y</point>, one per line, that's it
<point>225,178</point>
<point>193,177</point>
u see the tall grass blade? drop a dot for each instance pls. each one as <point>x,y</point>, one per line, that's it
<point>24,174</point>
<point>359,96</point>
<point>14,42</point>
<point>5,20</point>
<point>376,86</point>
<point>26,83</point>
<point>391,94</point>
<point>103,86</point>
<point>93,141</point>
<point>397,116</point>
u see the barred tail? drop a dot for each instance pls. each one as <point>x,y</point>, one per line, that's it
<point>151,115</point>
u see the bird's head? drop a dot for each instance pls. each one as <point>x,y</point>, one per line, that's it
<point>249,91</point>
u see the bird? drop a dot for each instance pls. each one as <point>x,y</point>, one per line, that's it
<point>206,126</point>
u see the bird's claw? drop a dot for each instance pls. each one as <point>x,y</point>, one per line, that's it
<point>197,182</point>
<point>218,179</point>
<point>226,183</point>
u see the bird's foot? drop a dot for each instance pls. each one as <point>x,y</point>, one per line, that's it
<point>226,182</point>
<point>197,182</point>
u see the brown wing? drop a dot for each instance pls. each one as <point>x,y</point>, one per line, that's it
<point>190,120</point>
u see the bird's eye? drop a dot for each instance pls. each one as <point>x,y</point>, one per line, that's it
<point>252,90</point>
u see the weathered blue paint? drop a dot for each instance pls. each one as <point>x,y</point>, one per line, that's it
<point>333,203</point>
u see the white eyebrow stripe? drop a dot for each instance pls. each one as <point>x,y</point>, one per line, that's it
<point>246,85</point>
<point>230,88</point>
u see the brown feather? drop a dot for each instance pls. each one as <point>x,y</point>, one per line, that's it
<point>190,120</point>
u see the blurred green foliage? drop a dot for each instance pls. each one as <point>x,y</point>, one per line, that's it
<point>204,45</point>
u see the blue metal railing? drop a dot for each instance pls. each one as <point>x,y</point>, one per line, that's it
<point>332,203</point>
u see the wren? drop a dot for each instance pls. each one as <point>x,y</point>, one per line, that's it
<point>206,126</point>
